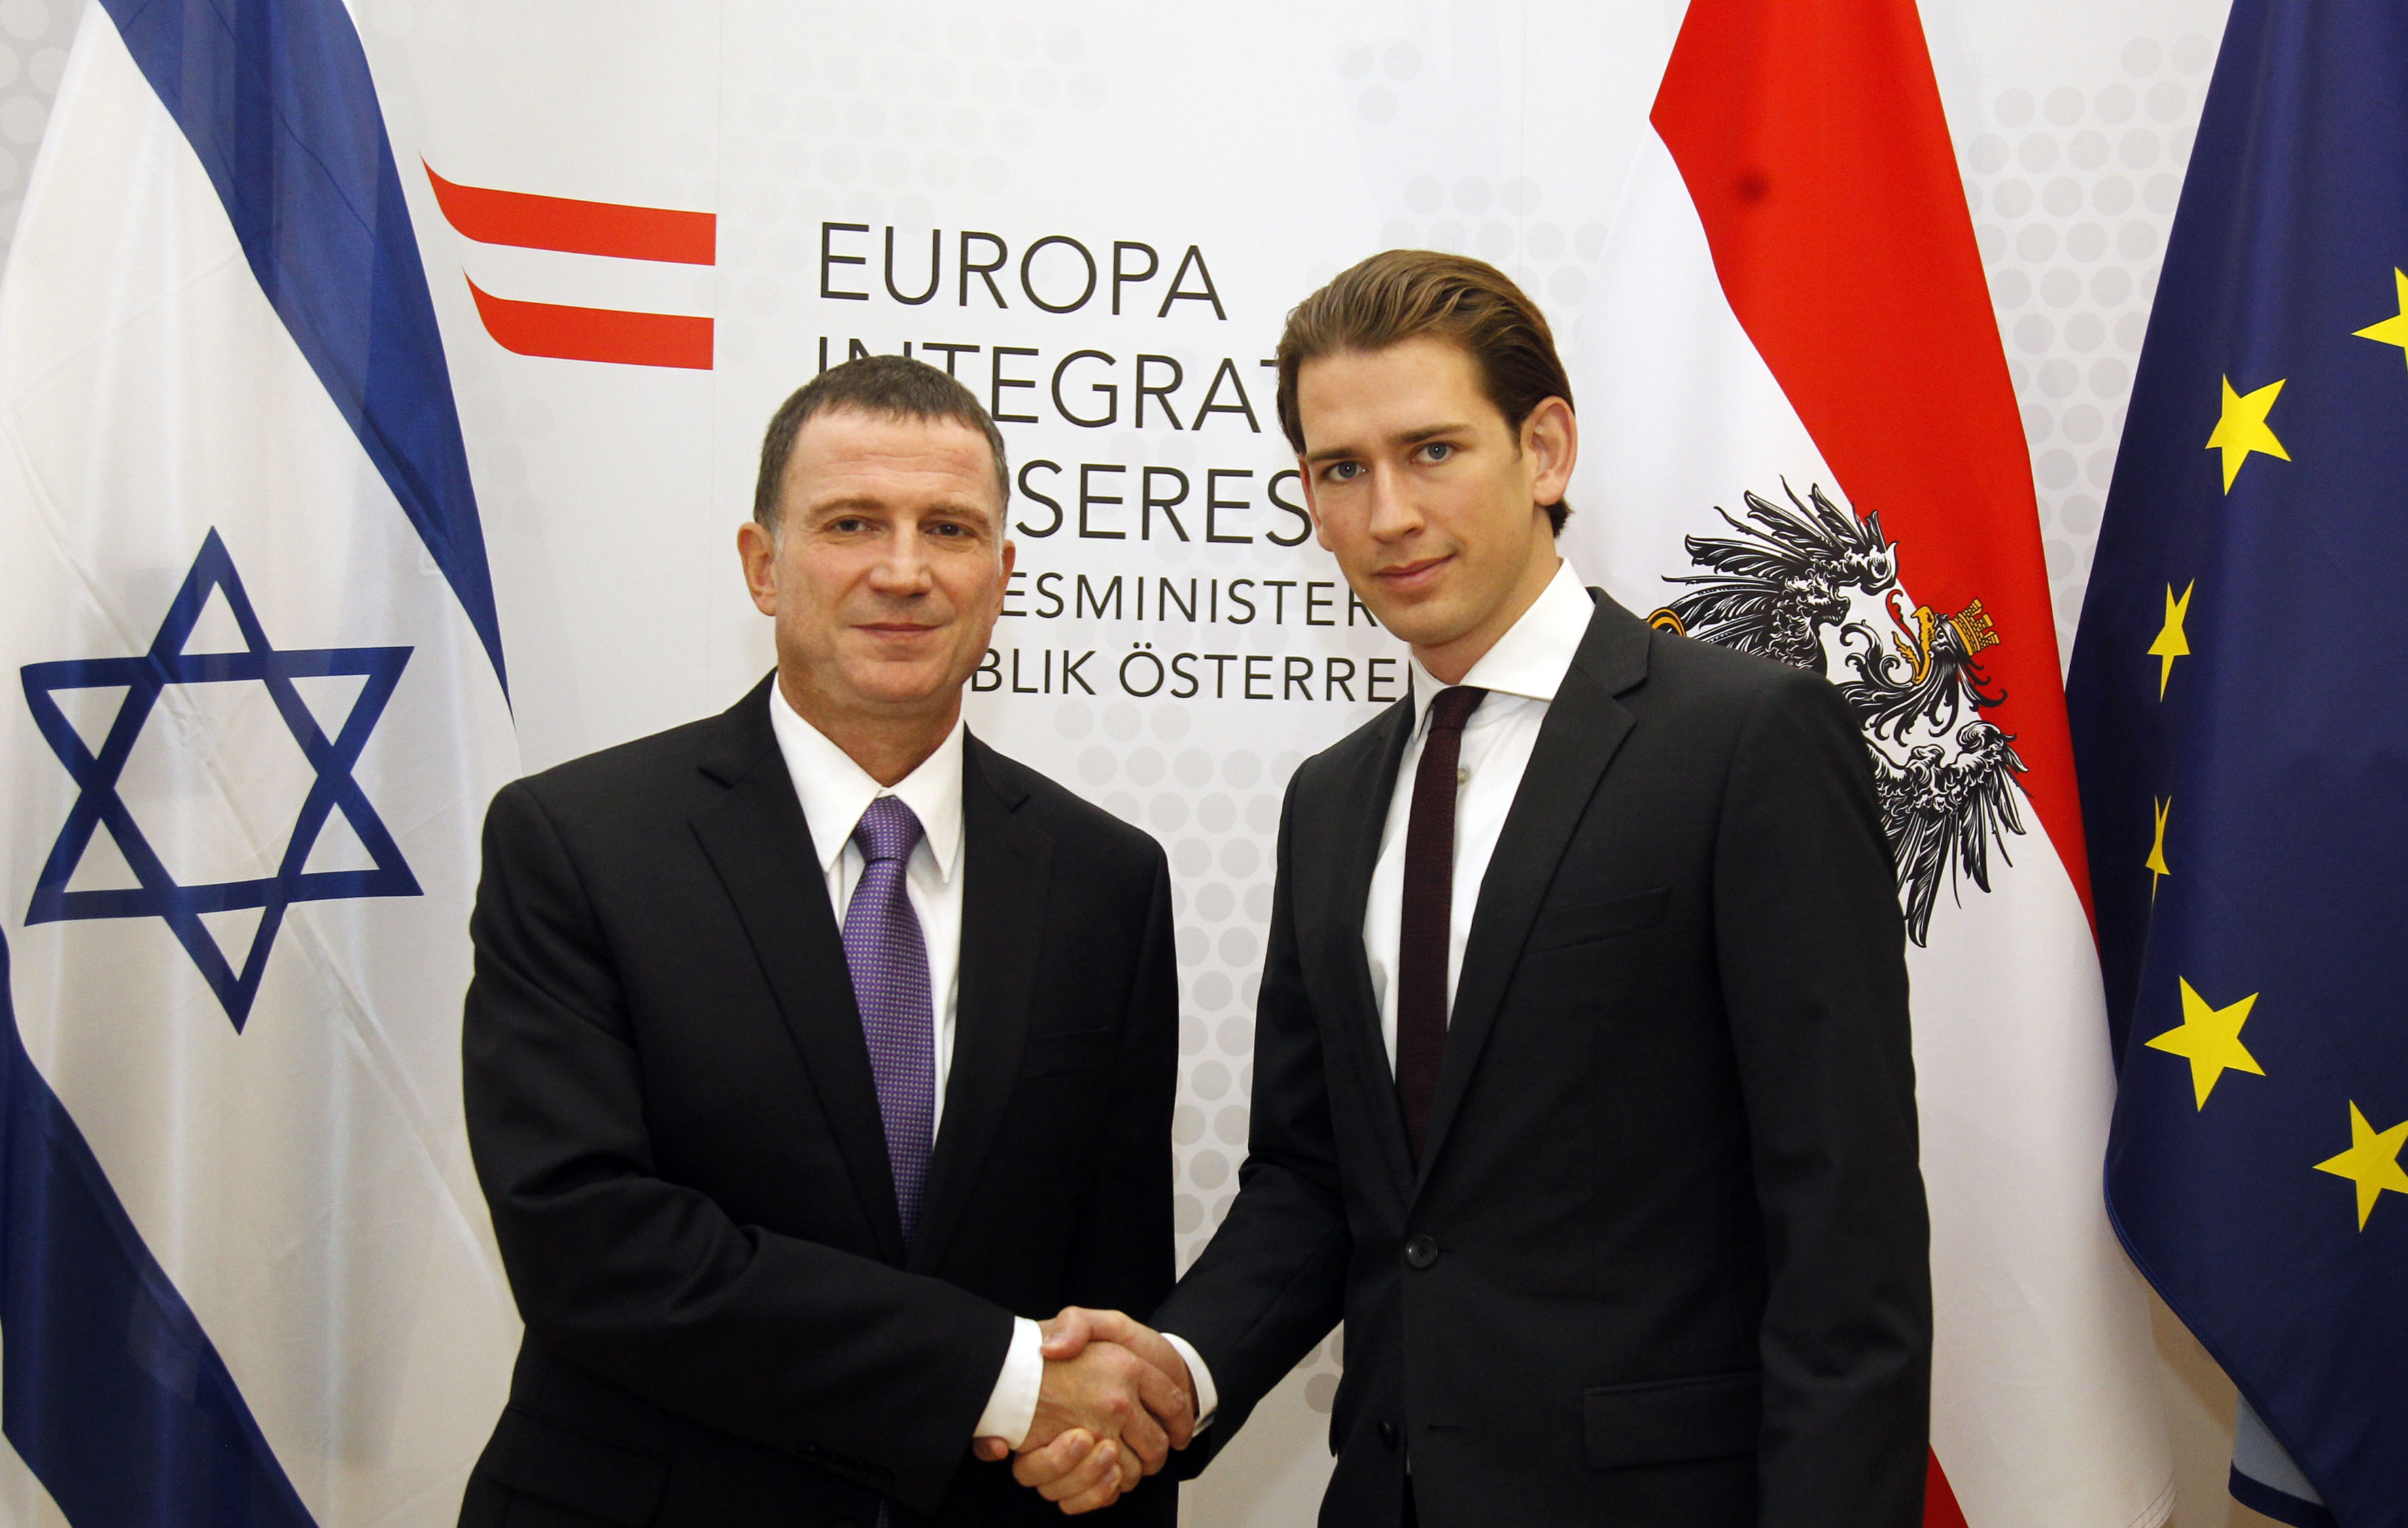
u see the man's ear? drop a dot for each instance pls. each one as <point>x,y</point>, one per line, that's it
<point>758,547</point>
<point>1312,503</point>
<point>1551,444</point>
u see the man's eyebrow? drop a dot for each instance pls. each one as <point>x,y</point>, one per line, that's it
<point>1409,438</point>
<point>848,501</point>
<point>856,503</point>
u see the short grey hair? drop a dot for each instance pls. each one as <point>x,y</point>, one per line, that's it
<point>888,386</point>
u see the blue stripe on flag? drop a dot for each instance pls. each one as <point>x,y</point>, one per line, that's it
<point>110,1390</point>
<point>278,102</point>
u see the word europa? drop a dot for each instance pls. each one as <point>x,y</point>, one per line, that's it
<point>1199,601</point>
<point>1071,276</point>
<point>1180,676</point>
<point>1095,389</point>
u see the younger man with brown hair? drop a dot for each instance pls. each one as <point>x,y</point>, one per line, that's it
<point>1582,1092</point>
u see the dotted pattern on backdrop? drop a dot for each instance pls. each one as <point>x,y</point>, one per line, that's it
<point>1503,223</point>
<point>34,37</point>
<point>888,106</point>
<point>1214,804</point>
<point>2072,195</point>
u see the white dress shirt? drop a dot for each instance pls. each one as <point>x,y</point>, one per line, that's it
<point>1522,673</point>
<point>835,791</point>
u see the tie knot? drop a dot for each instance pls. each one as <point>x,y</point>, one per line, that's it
<point>888,830</point>
<point>1454,705</point>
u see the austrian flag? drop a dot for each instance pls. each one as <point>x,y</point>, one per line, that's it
<point>1802,441</point>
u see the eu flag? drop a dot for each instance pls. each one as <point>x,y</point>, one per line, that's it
<point>2244,751</point>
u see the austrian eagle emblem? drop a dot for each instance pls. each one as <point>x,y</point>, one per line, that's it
<point>1812,584</point>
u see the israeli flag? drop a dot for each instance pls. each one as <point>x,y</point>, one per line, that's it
<point>246,1275</point>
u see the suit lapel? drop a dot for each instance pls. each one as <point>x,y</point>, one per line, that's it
<point>1006,862</point>
<point>1584,727</point>
<point>758,841</point>
<point>1360,818</point>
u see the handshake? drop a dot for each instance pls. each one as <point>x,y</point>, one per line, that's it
<point>1116,1399</point>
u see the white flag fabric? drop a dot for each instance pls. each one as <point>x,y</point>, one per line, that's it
<point>1800,440</point>
<point>246,1275</point>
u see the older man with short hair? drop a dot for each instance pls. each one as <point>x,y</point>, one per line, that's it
<point>816,1049</point>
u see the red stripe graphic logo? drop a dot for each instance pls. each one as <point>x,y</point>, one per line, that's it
<point>615,230</point>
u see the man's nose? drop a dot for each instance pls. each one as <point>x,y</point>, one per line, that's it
<point>1393,514</point>
<point>905,569</point>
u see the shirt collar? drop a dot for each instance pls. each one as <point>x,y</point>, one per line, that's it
<point>835,791</point>
<point>1536,652</point>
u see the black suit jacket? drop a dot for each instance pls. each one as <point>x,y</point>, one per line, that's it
<point>1664,1261</point>
<point>673,1116</point>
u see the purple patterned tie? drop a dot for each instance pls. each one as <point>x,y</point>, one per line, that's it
<point>889,979</point>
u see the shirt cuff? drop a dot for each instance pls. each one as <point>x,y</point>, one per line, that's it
<point>1011,1410</point>
<point>1208,1399</point>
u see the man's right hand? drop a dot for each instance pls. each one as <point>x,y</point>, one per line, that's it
<point>1075,1327</point>
<point>1063,1469</point>
<point>1111,1392</point>
<point>1115,1398</point>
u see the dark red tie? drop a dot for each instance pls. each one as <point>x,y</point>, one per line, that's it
<point>1429,905</point>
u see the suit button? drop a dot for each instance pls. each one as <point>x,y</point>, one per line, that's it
<point>1388,1436</point>
<point>1421,1252</point>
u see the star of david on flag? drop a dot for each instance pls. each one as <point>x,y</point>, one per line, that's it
<point>144,678</point>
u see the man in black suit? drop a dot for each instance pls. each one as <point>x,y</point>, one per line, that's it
<point>1582,1092</point>
<point>816,1049</point>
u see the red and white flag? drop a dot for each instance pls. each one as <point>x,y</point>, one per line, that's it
<point>1800,440</point>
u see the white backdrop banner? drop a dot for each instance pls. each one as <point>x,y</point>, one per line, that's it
<point>639,227</point>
